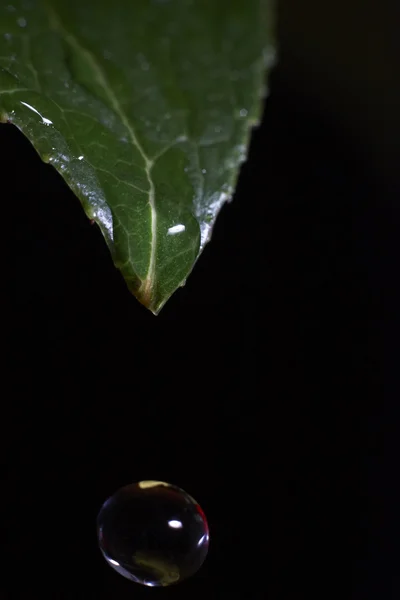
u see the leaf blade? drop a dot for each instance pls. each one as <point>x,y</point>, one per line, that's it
<point>145,110</point>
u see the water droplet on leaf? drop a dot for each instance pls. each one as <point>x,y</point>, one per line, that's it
<point>176,229</point>
<point>44,120</point>
<point>153,533</point>
<point>21,22</point>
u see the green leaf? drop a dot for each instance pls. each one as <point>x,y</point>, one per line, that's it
<point>145,108</point>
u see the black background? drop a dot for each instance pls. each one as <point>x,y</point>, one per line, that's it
<point>267,387</point>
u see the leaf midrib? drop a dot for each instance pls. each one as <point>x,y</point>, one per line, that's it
<point>148,283</point>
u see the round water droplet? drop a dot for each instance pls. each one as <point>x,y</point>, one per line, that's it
<point>153,533</point>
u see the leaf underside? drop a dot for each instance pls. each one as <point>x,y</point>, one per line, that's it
<point>145,108</point>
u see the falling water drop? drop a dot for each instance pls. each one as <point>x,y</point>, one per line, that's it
<point>153,533</point>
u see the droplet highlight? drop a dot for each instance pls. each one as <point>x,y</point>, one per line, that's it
<point>153,533</point>
<point>176,229</point>
<point>44,120</point>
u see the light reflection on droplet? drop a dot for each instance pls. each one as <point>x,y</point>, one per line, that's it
<point>243,112</point>
<point>21,22</point>
<point>176,229</point>
<point>45,121</point>
<point>202,540</point>
<point>215,205</point>
<point>175,524</point>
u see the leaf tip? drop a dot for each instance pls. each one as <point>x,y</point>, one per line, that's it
<point>144,293</point>
<point>146,296</point>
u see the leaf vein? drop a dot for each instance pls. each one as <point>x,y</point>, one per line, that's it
<point>149,282</point>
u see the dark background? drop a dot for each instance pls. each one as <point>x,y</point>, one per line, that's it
<point>267,388</point>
